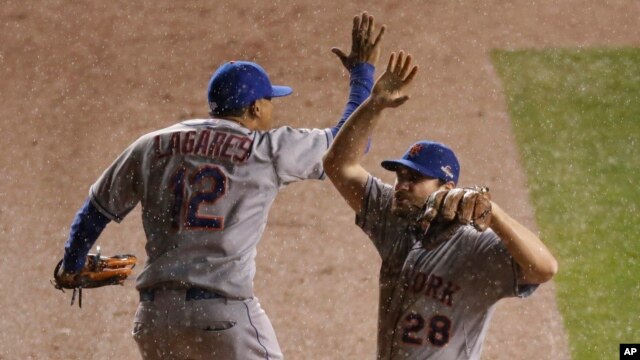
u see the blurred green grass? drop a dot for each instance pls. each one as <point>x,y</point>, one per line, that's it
<point>576,117</point>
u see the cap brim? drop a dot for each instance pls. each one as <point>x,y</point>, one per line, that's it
<point>392,165</point>
<point>279,90</point>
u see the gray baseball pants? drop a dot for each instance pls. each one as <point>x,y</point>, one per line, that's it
<point>170,327</point>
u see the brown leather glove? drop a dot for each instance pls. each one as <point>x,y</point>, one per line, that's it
<point>469,205</point>
<point>98,271</point>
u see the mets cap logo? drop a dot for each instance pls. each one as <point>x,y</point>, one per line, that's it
<point>447,170</point>
<point>415,150</point>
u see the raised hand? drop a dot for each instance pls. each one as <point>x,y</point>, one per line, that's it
<point>363,47</point>
<point>387,91</point>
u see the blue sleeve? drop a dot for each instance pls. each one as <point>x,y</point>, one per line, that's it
<point>360,84</point>
<point>85,229</point>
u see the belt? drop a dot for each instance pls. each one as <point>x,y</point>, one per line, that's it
<point>192,293</point>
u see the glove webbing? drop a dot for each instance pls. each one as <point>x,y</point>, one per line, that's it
<point>76,289</point>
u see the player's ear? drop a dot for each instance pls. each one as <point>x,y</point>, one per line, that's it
<point>448,185</point>
<point>254,109</point>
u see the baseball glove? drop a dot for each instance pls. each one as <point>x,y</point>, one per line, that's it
<point>98,271</point>
<point>470,205</point>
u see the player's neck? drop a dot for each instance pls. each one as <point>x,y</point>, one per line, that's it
<point>249,122</point>
<point>238,119</point>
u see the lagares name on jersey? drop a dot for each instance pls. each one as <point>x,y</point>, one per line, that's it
<point>206,143</point>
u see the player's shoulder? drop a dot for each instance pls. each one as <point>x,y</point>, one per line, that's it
<point>199,125</point>
<point>215,124</point>
<point>288,137</point>
<point>375,184</point>
<point>468,232</point>
<point>281,131</point>
<point>146,138</point>
<point>170,128</point>
<point>378,197</point>
<point>471,239</point>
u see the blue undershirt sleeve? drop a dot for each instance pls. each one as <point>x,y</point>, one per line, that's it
<point>360,85</point>
<point>85,229</point>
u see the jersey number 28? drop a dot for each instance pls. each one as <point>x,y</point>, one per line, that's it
<point>438,329</point>
<point>195,187</point>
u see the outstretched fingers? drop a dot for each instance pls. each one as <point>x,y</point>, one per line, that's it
<point>364,17</point>
<point>399,63</point>
<point>364,48</point>
<point>361,30</point>
<point>355,33</point>
<point>388,89</point>
<point>392,62</point>
<point>411,75</point>
<point>364,23</point>
<point>405,66</point>
<point>379,37</point>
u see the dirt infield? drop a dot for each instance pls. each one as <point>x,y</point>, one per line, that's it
<point>81,80</point>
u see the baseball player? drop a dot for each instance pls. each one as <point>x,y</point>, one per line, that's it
<point>438,289</point>
<point>206,187</point>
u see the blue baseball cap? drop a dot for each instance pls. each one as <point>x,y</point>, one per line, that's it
<point>430,159</point>
<point>237,84</point>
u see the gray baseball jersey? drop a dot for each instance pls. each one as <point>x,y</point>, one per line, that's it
<point>435,304</point>
<point>206,187</point>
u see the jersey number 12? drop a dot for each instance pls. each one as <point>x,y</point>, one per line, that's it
<point>195,187</point>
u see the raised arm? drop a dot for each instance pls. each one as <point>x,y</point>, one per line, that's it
<point>361,62</point>
<point>342,160</point>
<point>536,262</point>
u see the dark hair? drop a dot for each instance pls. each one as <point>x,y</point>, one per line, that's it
<point>222,112</point>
